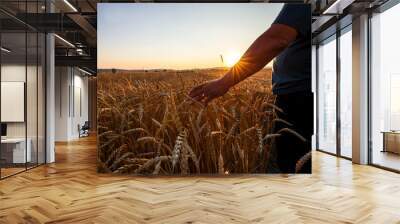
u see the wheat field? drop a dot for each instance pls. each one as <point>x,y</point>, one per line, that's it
<point>148,125</point>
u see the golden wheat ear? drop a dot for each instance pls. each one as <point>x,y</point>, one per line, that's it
<point>176,153</point>
<point>142,114</point>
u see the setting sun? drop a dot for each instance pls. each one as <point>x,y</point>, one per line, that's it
<point>231,59</point>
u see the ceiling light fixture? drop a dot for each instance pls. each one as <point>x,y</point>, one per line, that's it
<point>5,50</point>
<point>337,7</point>
<point>86,72</point>
<point>64,40</point>
<point>79,51</point>
<point>70,5</point>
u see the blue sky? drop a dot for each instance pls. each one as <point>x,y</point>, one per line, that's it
<point>178,36</point>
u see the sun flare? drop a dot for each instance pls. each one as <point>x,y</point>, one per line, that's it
<point>231,59</point>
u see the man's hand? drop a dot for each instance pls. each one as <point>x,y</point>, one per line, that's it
<point>267,46</point>
<point>210,90</point>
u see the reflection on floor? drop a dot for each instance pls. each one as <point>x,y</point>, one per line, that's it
<point>386,159</point>
<point>11,169</point>
<point>70,191</point>
<point>346,152</point>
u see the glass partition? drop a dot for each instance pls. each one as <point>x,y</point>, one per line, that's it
<point>14,153</point>
<point>327,95</point>
<point>22,91</point>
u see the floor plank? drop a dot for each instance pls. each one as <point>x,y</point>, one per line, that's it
<point>70,191</point>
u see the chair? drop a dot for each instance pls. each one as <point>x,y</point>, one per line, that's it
<point>84,130</point>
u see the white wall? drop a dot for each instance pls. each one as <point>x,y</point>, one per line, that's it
<point>15,73</point>
<point>62,81</point>
<point>13,101</point>
<point>33,126</point>
<point>70,83</point>
<point>80,109</point>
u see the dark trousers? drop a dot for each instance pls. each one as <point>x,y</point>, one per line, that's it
<point>297,110</point>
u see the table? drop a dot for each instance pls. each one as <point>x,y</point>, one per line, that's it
<point>391,141</point>
<point>13,150</point>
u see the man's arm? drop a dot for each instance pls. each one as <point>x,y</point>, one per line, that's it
<point>261,52</point>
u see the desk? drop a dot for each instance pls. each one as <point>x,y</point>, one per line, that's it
<point>13,150</point>
<point>391,141</point>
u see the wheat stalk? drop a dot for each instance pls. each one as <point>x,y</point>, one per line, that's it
<point>149,115</point>
<point>221,164</point>
<point>260,139</point>
<point>302,161</point>
<point>176,153</point>
<point>291,131</point>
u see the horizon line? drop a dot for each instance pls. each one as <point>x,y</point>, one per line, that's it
<point>269,67</point>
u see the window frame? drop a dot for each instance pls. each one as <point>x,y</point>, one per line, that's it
<point>378,10</point>
<point>333,37</point>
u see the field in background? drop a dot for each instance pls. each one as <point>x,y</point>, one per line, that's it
<point>148,125</point>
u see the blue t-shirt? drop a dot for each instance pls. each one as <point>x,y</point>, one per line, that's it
<point>292,67</point>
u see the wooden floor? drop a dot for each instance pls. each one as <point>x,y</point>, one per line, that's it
<point>70,191</point>
<point>10,171</point>
<point>386,159</point>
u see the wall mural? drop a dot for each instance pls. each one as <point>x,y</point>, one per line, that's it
<point>160,106</point>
